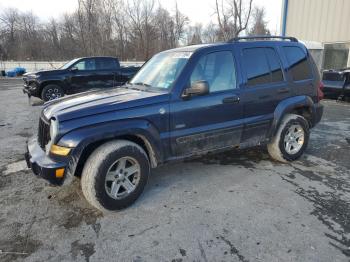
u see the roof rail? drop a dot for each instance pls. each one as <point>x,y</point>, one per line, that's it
<point>263,37</point>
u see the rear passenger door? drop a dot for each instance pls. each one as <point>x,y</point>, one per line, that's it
<point>265,86</point>
<point>106,72</point>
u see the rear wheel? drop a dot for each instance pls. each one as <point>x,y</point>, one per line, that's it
<point>291,139</point>
<point>115,175</point>
<point>51,92</point>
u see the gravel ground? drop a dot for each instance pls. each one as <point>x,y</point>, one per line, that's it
<point>234,206</point>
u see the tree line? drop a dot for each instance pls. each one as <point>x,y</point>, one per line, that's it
<point>128,29</point>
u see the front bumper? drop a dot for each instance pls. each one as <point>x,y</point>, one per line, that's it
<point>43,165</point>
<point>334,89</point>
<point>30,88</point>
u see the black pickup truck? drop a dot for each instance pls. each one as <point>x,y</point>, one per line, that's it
<point>337,83</point>
<point>78,75</point>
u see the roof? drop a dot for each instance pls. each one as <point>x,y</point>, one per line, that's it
<point>192,48</point>
<point>249,39</point>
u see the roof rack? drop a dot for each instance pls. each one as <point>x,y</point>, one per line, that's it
<point>263,37</point>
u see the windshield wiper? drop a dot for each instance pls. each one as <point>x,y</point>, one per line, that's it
<point>141,84</point>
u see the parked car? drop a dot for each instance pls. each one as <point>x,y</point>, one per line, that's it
<point>78,75</point>
<point>184,102</point>
<point>337,83</point>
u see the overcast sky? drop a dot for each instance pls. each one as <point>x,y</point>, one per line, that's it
<point>197,10</point>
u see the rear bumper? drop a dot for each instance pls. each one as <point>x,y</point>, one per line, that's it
<point>317,109</point>
<point>335,89</point>
<point>42,165</point>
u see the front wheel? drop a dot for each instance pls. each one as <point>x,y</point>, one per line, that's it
<point>291,139</point>
<point>51,92</point>
<point>115,175</point>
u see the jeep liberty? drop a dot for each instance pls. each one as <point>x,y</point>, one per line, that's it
<point>182,103</point>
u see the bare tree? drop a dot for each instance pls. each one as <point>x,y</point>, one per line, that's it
<point>9,19</point>
<point>210,33</point>
<point>233,17</point>
<point>259,26</point>
<point>194,34</point>
<point>128,29</point>
<point>181,21</point>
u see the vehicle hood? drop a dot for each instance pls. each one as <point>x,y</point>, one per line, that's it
<point>99,102</point>
<point>45,72</point>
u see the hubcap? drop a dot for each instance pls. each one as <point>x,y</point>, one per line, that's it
<point>53,93</point>
<point>122,177</point>
<point>294,139</point>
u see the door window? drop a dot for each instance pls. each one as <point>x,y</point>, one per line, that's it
<point>262,66</point>
<point>218,69</point>
<point>86,64</point>
<point>106,64</point>
<point>275,65</point>
<point>298,63</point>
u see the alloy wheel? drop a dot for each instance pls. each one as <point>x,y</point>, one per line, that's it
<point>294,139</point>
<point>122,177</point>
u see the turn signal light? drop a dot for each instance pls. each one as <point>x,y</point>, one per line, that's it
<point>59,172</point>
<point>59,150</point>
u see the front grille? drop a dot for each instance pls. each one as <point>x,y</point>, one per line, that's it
<point>43,133</point>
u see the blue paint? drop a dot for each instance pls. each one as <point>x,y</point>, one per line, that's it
<point>284,18</point>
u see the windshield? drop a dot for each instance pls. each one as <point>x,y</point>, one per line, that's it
<point>67,65</point>
<point>162,70</point>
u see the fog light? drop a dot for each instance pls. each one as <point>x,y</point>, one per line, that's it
<point>59,150</point>
<point>59,173</point>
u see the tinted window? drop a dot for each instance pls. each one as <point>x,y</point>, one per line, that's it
<point>86,64</point>
<point>298,63</point>
<point>256,66</point>
<point>106,64</point>
<point>218,69</point>
<point>275,65</point>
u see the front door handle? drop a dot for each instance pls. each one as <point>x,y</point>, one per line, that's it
<point>231,100</point>
<point>283,90</point>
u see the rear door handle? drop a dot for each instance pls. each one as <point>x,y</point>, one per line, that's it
<point>283,90</point>
<point>231,100</point>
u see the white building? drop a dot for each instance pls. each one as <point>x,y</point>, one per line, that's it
<point>323,21</point>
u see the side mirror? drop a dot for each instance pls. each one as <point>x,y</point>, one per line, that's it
<point>198,88</point>
<point>74,69</point>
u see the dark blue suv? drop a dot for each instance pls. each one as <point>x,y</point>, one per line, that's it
<point>183,102</point>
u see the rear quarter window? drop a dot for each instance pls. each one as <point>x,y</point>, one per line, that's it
<point>298,63</point>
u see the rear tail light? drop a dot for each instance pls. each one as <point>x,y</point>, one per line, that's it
<point>320,94</point>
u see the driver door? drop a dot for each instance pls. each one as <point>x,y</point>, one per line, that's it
<point>84,76</point>
<point>213,121</point>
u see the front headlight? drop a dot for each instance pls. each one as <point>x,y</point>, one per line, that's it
<point>51,147</point>
<point>53,129</point>
<point>53,134</point>
<point>33,76</point>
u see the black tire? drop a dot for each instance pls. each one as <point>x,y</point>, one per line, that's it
<point>51,92</point>
<point>93,181</point>
<point>277,146</point>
